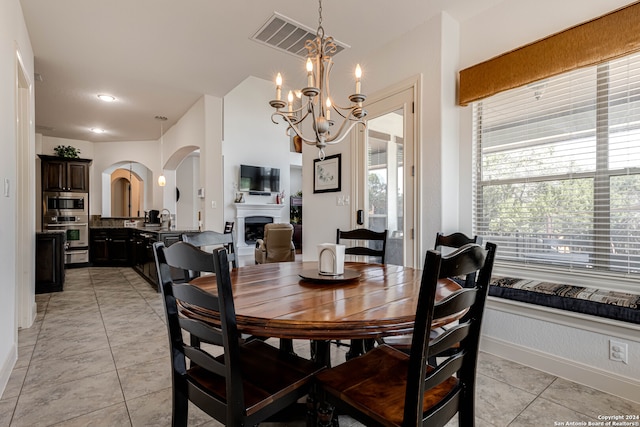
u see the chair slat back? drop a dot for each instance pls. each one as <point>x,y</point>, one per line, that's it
<point>454,240</point>
<point>446,244</point>
<point>188,257</point>
<point>471,260</point>
<point>212,238</point>
<point>363,234</point>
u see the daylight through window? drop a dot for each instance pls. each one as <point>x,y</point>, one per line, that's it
<point>558,170</point>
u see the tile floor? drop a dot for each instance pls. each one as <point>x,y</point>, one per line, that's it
<point>97,356</point>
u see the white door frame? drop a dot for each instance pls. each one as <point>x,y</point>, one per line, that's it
<point>25,192</point>
<point>358,159</point>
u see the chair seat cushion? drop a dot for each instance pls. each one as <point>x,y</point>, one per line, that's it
<point>268,374</point>
<point>379,376</point>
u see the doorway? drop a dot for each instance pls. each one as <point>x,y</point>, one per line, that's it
<point>385,179</point>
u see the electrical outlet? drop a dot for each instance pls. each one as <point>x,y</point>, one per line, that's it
<point>214,204</point>
<point>618,351</point>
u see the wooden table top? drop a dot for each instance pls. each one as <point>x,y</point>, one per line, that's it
<point>273,300</point>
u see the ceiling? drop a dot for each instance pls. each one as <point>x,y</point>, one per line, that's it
<point>158,57</point>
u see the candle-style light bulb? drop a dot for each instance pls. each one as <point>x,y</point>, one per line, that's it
<point>328,114</point>
<point>278,86</point>
<point>290,99</point>
<point>358,77</point>
<point>309,73</point>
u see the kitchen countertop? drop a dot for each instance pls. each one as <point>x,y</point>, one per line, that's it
<point>157,229</point>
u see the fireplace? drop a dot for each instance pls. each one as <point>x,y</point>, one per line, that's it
<point>254,227</point>
<point>250,221</point>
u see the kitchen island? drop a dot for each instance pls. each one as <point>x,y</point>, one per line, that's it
<point>116,245</point>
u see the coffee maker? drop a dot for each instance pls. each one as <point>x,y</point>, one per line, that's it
<point>154,217</point>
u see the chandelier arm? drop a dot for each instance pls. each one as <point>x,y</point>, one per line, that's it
<point>295,128</point>
<point>340,112</point>
<point>339,136</point>
<point>286,115</point>
<point>339,107</point>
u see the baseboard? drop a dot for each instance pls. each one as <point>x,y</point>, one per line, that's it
<point>7,367</point>
<point>590,376</point>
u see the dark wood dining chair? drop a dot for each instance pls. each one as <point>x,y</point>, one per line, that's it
<point>377,247</point>
<point>377,242</point>
<point>213,238</point>
<point>453,240</point>
<point>387,387</point>
<point>444,244</point>
<point>210,238</point>
<point>246,384</point>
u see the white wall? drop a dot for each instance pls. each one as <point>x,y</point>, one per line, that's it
<point>251,138</point>
<point>13,38</point>
<point>212,165</point>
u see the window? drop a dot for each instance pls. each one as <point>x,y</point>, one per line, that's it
<point>557,178</point>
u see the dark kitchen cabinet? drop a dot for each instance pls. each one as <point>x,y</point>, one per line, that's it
<point>99,247</point>
<point>50,273</point>
<point>60,174</point>
<point>111,247</point>
<point>145,263</point>
<point>120,247</point>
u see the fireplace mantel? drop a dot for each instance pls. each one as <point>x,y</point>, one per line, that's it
<point>250,209</point>
<point>244,210</point>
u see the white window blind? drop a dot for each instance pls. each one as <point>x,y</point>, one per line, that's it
<point>558,170</point>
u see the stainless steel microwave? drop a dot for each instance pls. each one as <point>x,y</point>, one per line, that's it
<point>59,203</point>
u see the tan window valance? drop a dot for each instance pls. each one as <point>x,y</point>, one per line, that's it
<point>602,39</point>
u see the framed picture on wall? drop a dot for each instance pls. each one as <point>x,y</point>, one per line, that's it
<point>327,174</point>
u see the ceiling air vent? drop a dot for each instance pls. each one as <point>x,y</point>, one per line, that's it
<point>287,35</point>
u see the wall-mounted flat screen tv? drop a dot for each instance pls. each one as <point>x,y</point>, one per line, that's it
<point>259,179</point>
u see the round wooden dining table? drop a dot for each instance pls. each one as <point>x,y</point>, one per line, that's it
<point>288,300</point>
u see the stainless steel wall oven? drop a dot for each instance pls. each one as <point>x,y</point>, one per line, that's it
<point>69,212</point>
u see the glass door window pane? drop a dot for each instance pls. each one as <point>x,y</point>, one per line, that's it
<point>385,181</point>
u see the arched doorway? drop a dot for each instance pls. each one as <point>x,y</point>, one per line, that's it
<point>127,190</point>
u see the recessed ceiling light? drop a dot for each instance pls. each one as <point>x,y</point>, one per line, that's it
<point>97,130</point>
<point>107,98</point>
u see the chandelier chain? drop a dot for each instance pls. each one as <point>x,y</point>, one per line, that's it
<point>320,31</point>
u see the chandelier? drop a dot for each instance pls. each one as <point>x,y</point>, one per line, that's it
<point>317,104</point>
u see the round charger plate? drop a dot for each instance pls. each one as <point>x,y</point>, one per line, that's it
<point>313,275</point>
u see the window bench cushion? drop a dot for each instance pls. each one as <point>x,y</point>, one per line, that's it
<point>613,305</point>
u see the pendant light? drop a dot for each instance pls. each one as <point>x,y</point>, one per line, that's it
<point>162,181</point>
